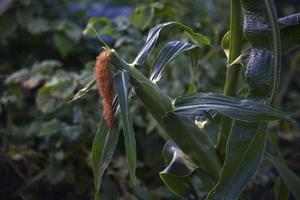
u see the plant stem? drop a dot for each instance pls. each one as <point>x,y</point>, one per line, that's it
<point>232,73</point>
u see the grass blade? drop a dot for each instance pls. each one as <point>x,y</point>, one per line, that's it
<point>166,55</point>
<point>244,110</point>
<point>122,87</point>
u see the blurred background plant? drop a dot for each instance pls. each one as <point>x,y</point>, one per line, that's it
<point>47,55</point>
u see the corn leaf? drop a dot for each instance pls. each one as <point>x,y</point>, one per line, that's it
<point>196,144</point>
<point>154,34</point>
<point>245,147</point>
<point>103,148</point>
<point>83,91</point>
<point>122,87</point>
<point>244,110</point>
<point>179,168</point>
<point>166,55</point>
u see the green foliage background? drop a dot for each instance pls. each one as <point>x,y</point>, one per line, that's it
<point>45,59</point>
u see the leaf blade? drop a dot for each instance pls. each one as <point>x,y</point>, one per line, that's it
<point>122,87</point>
<point>244,110</point>
<point>154,34</point>
<point>166,55</point>
<point>242,159</point>
<point>179,168</point>
<point>103,148</point>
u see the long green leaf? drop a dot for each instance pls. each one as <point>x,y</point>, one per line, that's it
<point>177,173</point>
<point>244,151</point>
<point>244,110</point>
<point>122,87</point>
<point>289,178</point>
<point>166,55</point>
<point>153,36</point>
<point>83,91</point>
<point>103,148</point>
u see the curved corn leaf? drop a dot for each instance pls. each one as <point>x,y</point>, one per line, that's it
<point>167,54</point>
<point>103,148</point>
<point>122,87</point>
<point>244,110</point>
<point>290,179</point>
<point>83,91</point>
<point>179,168</point>
<point>196,144</point>
<point>245,147</point>
<point>153,36</point>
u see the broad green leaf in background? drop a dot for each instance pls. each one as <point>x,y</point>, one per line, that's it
<point>7,25</point>
<point>244,110</point>
<point>63,43</point>
<point>101,24</point>
<point>142,16</point>
<point>122,87</point>
<point>55,92</point>
<point>83,91</point>
<point>153,36</point>
<point>166,55</point>
<point>179,168</point>
<point>244,151</point>
<point>291,180</point>
<point>69,28</point>
<point>38,25</point>
<point>46,103</point>
<point>102,151</point>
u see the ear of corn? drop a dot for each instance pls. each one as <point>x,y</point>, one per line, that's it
<point>104,79</point>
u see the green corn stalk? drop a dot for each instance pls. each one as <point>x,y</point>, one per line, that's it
<point>247,139</point>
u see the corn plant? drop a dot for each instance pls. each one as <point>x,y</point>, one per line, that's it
<point>225,168</point>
